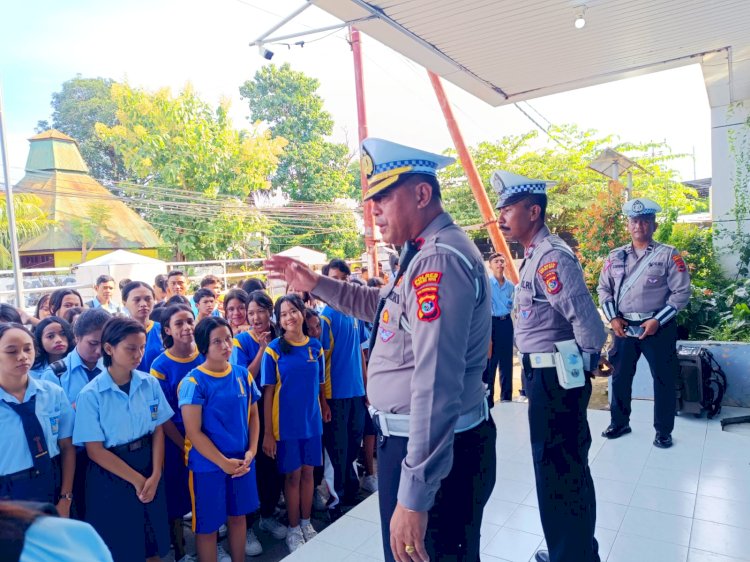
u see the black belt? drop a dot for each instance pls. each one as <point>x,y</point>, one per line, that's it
<point>504,317</point>
<point>136,445</point>
<point>25,474</point>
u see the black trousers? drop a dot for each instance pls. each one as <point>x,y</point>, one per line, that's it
<point>270,482</point>
<point>342,438</point>
<point>502,356</point>
<point>456,516</point>
<point>661,353</point>
<point>560,441</point>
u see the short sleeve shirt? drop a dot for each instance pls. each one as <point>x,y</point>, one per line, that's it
<point>169,371</point>
<point>342,340</point>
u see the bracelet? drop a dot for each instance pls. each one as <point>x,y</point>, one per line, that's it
<point>68,496</point>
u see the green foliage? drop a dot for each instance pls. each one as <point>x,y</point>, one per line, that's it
<point>721,315</point>
<point>183,143</point>
<point>31,221</point>
<point>76,109</point>
<point>88,228</point>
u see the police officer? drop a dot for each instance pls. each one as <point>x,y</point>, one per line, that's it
<point>642,287</point>
<point>436,452</point>
<point>554,311</point>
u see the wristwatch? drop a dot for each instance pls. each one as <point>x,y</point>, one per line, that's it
<point>68,496</point>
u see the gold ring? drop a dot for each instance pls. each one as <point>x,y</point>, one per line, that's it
<point>409,549</point>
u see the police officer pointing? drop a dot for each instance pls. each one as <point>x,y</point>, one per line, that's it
<point>436,451</point>
<point>642,287</point>
<point>559,335</point>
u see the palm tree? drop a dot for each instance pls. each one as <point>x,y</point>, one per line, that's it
<point>31,221</point>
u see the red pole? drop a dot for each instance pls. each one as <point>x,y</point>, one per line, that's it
<point>485,207</point>
<point>372,251</point>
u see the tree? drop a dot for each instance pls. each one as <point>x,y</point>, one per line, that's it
<point>88,229</point>
<point>198,171</point>
<point>76,109</point>
<point>31,221</point>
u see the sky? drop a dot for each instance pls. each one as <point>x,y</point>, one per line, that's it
<point>168,43</point>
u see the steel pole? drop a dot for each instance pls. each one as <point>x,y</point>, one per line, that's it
<point>10,210</point>
<point>372,251</point>
<point>485,207</point>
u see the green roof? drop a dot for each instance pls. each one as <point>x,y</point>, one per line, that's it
<point>53,150</point>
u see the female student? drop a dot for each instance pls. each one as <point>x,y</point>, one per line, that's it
<point>218,402</point>
<point>37,459</point>
<point>63,299</point>
<point>53,339</point>
<point>138,297</point>
<point>42,308</point>
<point>180,357</point>
<point>119,419</point>
<point>293,375</point>
<point>235,310</point>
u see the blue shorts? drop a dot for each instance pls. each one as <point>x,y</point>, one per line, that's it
<point>291,454</point>
<point>216,496</point>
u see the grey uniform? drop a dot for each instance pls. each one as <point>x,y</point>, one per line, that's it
<point>553,304</point>
<point>429,355</point>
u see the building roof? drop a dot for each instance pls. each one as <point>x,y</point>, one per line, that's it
<point>53,150</point>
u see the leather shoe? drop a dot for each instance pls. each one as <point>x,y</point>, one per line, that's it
<point>663,440</point>
<point>541,556</point>
<point>615,431</point>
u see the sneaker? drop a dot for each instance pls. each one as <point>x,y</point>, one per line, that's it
<point>222,555</point>
<point>252,544</point>
<point>308,531</point>
<point>222,532</point>
<point>370,483</point>
<point>188,516</point>
<point>294,539</point>
<point>189,558</point>
<point>319,504</point>
<point>272,527</point>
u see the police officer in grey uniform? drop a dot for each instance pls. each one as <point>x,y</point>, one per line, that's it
<point>436,441</point>
<point>554,312</point>
<point>642,287</point>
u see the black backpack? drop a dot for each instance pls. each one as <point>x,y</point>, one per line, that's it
<point>701,382</point>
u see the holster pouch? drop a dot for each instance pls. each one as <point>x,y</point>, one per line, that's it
<point>569,365</point>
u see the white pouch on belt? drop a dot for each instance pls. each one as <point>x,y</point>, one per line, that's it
<point>569,365</point>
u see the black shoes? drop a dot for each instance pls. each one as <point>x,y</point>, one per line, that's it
<point>663,440</point>
<point>615,431</point>
<point>541,556</point>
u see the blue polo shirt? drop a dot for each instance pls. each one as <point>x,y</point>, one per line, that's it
<point>75,376</point>
<point>297,376</point>
<point>502,296</point>
<point>105,413</point>
<point>112,308</point>
<point>245,349</point>
<point>225,399</point>
<point>54,413</point>
<point>169,371</point>
<point>342,341</point>
<point>154,346</point>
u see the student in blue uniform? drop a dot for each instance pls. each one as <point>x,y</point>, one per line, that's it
<point>37,459</point>
<point>293,374</point>
<point>180,357</point>
<point>119,419</point>
<point>218,402</point>
<point>204,301</point>
<point>138,298</point>
<point>235,310</point>
<point>53,340</point>
<point>63,299</point>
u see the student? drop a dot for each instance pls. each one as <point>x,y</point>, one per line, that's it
<point>177,283</point>
<point>71,315</point>
<point>235,310</point>
<point>253,284</point>
<point>105,288</point>
<point>205,303</point>
<point>139,301</point>
<point>212,283</point>
<point>9,314</point>
<point>179,358</point>
<point>293,377</point>
<point>248,352</point>
<point>119,420</point>
<point>63,299</point>
<point>37,459</point>
<point>42,308</point>
<point>53,340</point>
<point>215,397</point>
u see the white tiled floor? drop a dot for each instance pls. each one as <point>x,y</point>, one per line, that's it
<point>690,503</point>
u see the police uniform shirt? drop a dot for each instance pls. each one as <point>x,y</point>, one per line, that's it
<point>75,376</point>
<point>502,296</point>
<point>297,376</point>
<point>430,350</point>
<point>154,346</point>
<point>552,301</point>
<point>663,287</point>
<point>169,371</point>
<point>246,347</point>
<point>342,340</point>
<point>54,413</point>
<point>225,399</point>
<point>105,413</point>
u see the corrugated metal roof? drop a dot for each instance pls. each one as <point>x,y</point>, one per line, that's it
<point>53,150</point>
<point>505,51</point>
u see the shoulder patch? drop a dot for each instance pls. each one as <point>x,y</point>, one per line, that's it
<point>552,282</point>
<point>680,263</point>
<point>428,308</point>
<point>546,268</point>
<point>427,278</point>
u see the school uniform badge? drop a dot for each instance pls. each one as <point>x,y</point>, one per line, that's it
<point>427,285</point>
<point>154,408</point>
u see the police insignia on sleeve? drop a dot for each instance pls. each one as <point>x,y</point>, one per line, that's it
<point>680,263</point>
<point>386,317</point>
<point>385,335</point>
<point>426,285</point>
<point>552,282</point>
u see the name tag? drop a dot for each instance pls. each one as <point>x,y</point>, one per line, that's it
<point>54,422</point>
<point>154,410</point>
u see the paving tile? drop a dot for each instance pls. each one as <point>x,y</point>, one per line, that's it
<point>525,518</point>
<point>349,532</point>
<point>736,468</point>
<point>658,526</point>
<point>718,510</point>
<point>702,556</point>
<point>509,490</point>
<point>373,547</point>
<point>613,491</point>
<point>674,479</point>
<point>620,471</point>
<point>512,545</point>
<point>606,539</point>
<point>634,548</point>
<point>720,539</point>
<point>665,501</point>
<point>319,551</point>
<point>726,488</point>
<point>497,512</point>
<point>368,510</point>
<point>610,515</point>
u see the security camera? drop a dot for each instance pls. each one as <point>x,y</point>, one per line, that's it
<point>265,53</point>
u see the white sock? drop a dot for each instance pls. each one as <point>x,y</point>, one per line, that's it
<point>304,521</point>
<point>297,528</point>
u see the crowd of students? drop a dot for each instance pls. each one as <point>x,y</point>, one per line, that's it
<point>134,417</point>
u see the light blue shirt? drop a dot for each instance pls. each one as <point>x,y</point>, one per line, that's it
<point>105,413</point>
<point>74,378</point>
<point>112,308</point>
<point>54,413</point>
<point>502,297</point>
<point>55,539</point>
